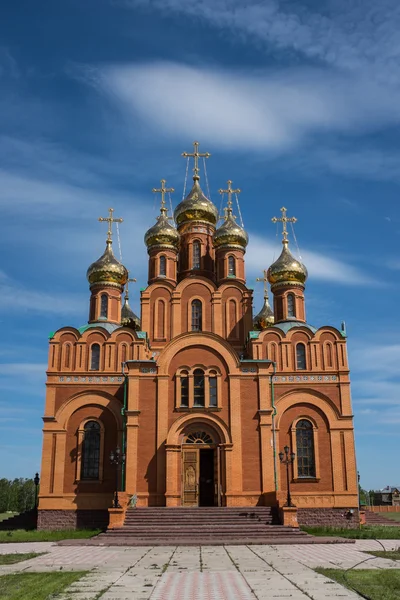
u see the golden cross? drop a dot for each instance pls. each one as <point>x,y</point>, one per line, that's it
<point>284,220</point>
<point>229,192</point>
<point>110,221</point>
<point>132,280</point>
<point>265,280</point>
<point>163,190</point>
<point>196,155</point>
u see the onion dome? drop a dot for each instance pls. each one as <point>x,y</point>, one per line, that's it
<point>128,317</point>
<point>230,233</point>
<point>287,270</point>
<point>196,207</point>
<point>265,317</point>
<point>107,269</point>
<point>162,233</point>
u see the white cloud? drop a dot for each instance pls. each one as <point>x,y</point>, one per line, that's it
<point>260,254</point>
<point>261,110</point>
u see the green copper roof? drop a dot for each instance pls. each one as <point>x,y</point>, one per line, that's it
<point>285,326</point>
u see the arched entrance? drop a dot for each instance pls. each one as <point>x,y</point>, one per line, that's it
<point>201,466</point>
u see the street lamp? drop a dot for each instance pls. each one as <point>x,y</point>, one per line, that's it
<point>117,458</point>
<point>287,459</point>
<point>36,481</point>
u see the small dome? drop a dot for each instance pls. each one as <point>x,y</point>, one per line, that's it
<point>265,317</point>
<point>128,317</point>
<point>107,269</point>
<point>196,207</point>
<point>287,270</point>
<point>162,233</point>
<point>230,233</point>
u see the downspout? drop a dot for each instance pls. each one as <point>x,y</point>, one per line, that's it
<point>273,422</point>
<point>123,413</point>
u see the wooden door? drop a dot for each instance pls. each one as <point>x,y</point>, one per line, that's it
<point>190,476</point>
<point>217,476</point>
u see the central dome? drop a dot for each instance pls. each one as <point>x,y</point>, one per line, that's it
<point>107,269</point>
<point>196,207</point>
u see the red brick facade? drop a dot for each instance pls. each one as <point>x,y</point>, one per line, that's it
<point>147,396</point>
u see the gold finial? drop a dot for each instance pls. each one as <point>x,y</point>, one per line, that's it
<point>163,190</point>
<point>110,221</point>
<point>132,280</point>
<point>284,220</point>
<point>265,280</point>
<point>229,192</point>
<point>196,155</point>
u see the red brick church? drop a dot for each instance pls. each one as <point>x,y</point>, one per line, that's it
<point>199,394</point>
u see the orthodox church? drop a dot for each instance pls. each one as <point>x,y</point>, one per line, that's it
<point>197,399</point>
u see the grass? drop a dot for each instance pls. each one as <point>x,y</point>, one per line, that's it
<point>36,586</point>
<point>392,554</point>
<point>376,584</point>
<point>394,516</point>
<point>367,532</point>
<point>7,515</point>
<point>20,535</point>
<point>11,559</point>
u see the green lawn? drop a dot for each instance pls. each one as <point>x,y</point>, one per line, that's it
<point>36,586</point>
<point>11,559</point>
<point>20,535</point>
<point>367,532</point>
<point>376,584</point>
<point>395,516</point>
<point>392,554</point>
<point>7,515</point>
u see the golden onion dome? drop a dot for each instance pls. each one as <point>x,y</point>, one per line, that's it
<point>265,317</point>
<point>287,270</point>
<point>162,233</point>
<point>230,233</point>
<point>196,207</point>
<point>107,269</point>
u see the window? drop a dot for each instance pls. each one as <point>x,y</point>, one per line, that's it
<point>198,387</point>
<point>163,266</point>
<point>104,306</point>
<point>213,389</point>
<point>90,464</point>
<point>95,358</point>
<point>196,250</point>
<point>231,266</point>
<point>196,315</point>
<point>291,311</point>
<point>305,449</point>
<point>185,389</point>
<point>199,437</point>
<point>301,357</point>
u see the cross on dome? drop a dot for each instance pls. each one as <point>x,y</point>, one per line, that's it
<point>284,220</point>
<point>265,280</point>
<point>229,192</point>
<point>196,155</point>
<point>110,221</point>
<point>163,190</point>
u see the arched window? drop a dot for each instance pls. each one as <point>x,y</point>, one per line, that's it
<point>199,437</point>
<point>95,357</point>
<point>163,266</point>
<point>329,359</point>
<point>231,266</point>
<point>90,462</point>
<point>213,389</point>
<point>184,389</point>
<point>305,449</point>
<point>291,308</point>
<point>67,362</point>
<point>301,357</point>
<point>197,315</point>
<point>196,251</point>
<point>104,306</point>
<point>198,380</point>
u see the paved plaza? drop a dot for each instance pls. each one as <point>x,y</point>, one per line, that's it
<point>201,572</point>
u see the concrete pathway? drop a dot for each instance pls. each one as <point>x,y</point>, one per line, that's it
<point>201,573</point>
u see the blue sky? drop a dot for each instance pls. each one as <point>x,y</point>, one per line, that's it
<point>298,103</point>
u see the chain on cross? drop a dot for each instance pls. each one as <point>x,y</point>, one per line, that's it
<point>196,155</point>
<point>265,280</point>
<point>163,190</point>
<point>284,220</point>
<point>229,193</point>
<point>110,220</point>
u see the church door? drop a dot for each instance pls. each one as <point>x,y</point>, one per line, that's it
<point>199,477</point>
<point>190,476</point>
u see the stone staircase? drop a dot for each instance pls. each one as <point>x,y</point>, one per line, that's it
<point>26,520</point>
<point>158,526</point>
<point>375,518</point>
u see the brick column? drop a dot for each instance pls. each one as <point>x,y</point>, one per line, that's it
<point>236,431</point>
<point>162,432</point>
<point>172,493</point>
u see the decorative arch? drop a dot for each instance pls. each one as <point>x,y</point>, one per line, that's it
<point>87,398</point>
<point>182,285</point>
<point>323,403</point>
<point>185,340</point>
<point>212,421</point>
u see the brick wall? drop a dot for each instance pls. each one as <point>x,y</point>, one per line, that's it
<point>328,517</point>
<point>72,519</point>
